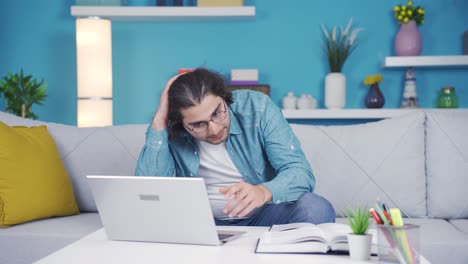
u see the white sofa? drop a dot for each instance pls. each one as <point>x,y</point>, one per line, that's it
<point>417,162</point>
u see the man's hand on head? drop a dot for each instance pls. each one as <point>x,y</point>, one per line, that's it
<point>160,118</point>
<point>245,198</point>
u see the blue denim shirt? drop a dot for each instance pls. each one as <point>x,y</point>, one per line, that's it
<point>261,145</point>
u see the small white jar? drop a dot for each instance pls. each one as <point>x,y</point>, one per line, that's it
<point>289,101</point>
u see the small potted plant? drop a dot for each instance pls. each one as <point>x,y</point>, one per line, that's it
<point>359,241</point>
<point>21,92</point>
<point>374,97</point>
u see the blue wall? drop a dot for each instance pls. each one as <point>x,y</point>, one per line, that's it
<point>284,43</point>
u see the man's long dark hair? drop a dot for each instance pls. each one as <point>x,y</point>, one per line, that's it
<point>189,90</point>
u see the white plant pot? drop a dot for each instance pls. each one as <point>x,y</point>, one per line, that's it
<point>335,90</point>
<point>359,246</point>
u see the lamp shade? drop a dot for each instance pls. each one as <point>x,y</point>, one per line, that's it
<point>93,113</point>
<point>94,71</point>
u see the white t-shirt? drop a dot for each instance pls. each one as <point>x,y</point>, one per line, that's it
<point>218,170</point>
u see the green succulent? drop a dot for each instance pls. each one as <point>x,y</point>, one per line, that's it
<point>21,92</point>
<point>358,220</point>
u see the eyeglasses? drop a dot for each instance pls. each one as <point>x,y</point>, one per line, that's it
<point>217,117</point>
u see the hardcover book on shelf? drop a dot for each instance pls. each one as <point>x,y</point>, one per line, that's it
<point>327,238</point>
<point>263,88</point>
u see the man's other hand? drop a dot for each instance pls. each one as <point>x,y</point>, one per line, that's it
<point>245,198</point>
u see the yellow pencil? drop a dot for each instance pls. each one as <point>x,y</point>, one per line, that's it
<point>397,220</point>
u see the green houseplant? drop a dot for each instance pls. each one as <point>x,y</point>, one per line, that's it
<point>339,43</point>
<point>359,241</point>
<point>21,92</point>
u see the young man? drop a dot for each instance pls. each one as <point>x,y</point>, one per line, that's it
<point>240,143</point>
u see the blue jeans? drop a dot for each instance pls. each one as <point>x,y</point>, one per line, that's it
<point>310,207</point>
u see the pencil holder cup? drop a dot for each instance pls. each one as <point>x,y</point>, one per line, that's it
<point>398,244</point>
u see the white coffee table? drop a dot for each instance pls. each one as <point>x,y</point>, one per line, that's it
<point>96,248</point>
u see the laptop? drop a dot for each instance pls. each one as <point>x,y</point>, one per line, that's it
<point>157,209</point>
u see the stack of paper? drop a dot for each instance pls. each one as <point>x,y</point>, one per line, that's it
<point>220,2</point>
<point>244,77</point>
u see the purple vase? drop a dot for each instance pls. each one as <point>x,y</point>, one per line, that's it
<point>374,97</point>
<point>408,40</point>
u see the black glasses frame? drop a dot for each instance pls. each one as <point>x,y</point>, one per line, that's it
<point>212,119</point>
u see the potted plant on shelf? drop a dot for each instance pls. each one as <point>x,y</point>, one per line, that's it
<point>339,44</point>
<point>359,241</point>
<point>21,92</point>
<point>374,97</point>
<point>408,41</point>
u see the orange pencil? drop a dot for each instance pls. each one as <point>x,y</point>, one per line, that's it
<point>375,216</point>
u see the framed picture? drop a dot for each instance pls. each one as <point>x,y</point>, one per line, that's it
<point>259,88</point>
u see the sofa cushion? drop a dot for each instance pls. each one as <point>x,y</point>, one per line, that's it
<point>28,242</point>
<point>357,164</point>
<point>447,164</point>
<point>13,120</point>
<point>460,224</point>
<point>33,181</point>
<point>441,242</point>
<point>97,151</point>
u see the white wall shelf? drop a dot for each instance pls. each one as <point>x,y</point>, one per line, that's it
<point>167,13</point>
<point>355,113</point>
<point>425,61</point>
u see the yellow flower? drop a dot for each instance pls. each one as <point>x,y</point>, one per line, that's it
<point>373,79</point>
<point>405,13</point>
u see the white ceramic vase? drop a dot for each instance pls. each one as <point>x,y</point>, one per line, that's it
<point>335,90</point>
<point>359,246</point>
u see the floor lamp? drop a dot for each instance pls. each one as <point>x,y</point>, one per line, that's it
<point>94,71</point>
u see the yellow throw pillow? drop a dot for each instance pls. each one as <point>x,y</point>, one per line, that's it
<point>33,181</point>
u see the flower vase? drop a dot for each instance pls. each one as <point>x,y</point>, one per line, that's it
<point>408,40</point>
<point>374,97</point>
<point>335,90</point>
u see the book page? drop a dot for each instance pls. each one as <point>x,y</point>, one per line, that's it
<point>290,226</point>
<point>335,232</point>
<point>308,233</point>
